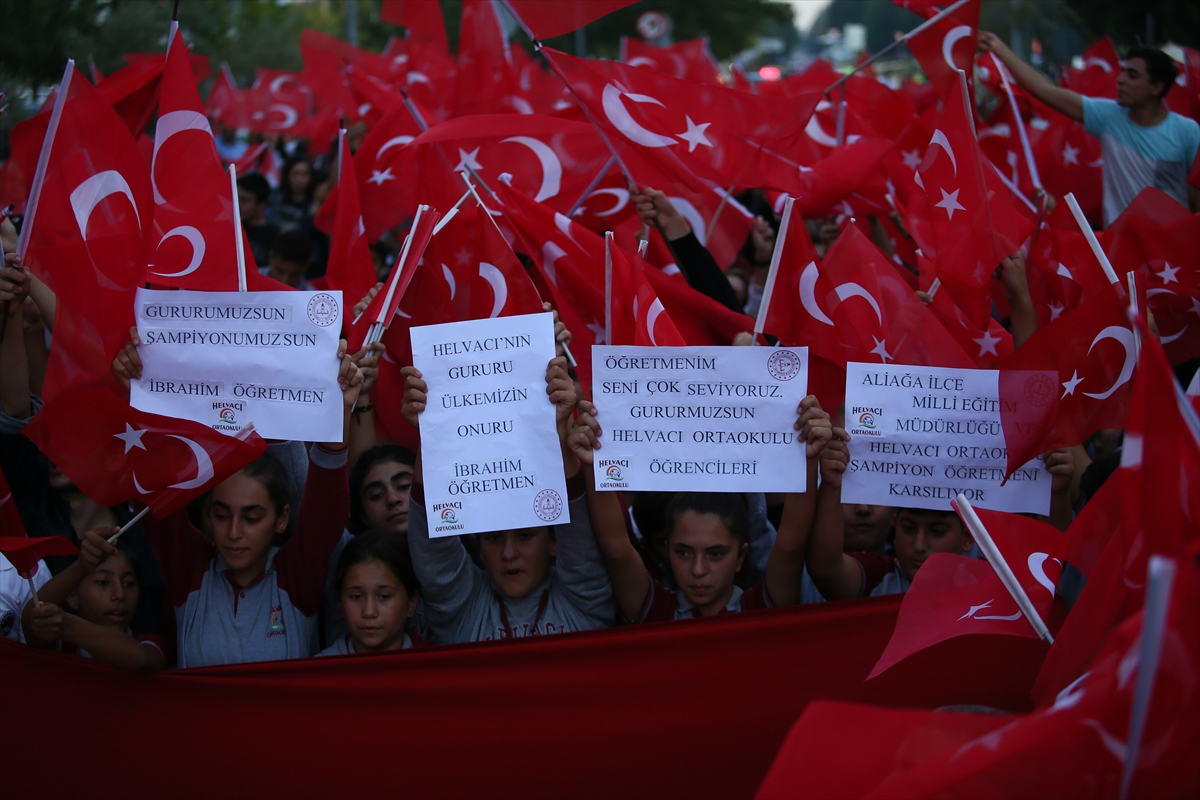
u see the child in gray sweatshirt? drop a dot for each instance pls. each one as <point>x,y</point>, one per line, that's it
<point>535,581</point>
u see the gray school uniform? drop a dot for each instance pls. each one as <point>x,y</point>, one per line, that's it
<point>895,582</point>
<point>343,647</point>
<point>461,605</point>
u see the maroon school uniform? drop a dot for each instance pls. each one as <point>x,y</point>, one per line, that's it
<point>663,605</point>
<point>881,574</point>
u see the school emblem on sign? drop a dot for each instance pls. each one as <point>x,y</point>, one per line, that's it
<point>322,310</point>
<point>783,365</point>
<point>1040,390</point>
<point>548,505</point>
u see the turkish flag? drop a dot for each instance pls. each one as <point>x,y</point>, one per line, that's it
<point>263,159</point>
<point>833,178</point>
<point>486,82</point>
<point>699,319</point>
<point>545,19</point>
<point>24,552</point>
<point>689,60</point>
<point>421,17</point>
<point>227,105</point>
<point>637,315</point>
<point>948,46</point>
<point>953,595</point>
<point>1069,161</point>
<point>1069,379</point>
<point>350,268</point>
<point>1098,76</point>
<point>132,91</point>
<point>84,230</point>
<point>733,139</point>
<point>373,96</point>
<point>280,102</point>
<point>988,347</point>
<point>115,453</point>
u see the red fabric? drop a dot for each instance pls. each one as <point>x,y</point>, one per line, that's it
<point>226,104</point>
<point>486,82</point>
<point>774,663</point>
<point>699,319</point>
<point>546,19</point>
<point>953,595</point>
<point>263,159</point>
<point>1069,380</point>
<point>24,552</point>
<point>99,442</point>
<point>689,60</point>
<point>280,102</point>
<point>423,17</point>
<point>929,47</point>
<point>350,268</point>
<point>90,254</point>
<point>638,317</point>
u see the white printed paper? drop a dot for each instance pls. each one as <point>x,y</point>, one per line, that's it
<point>921,435</point>
<point>489,445</point>
<point>700,419</point>
<point>224,359</point>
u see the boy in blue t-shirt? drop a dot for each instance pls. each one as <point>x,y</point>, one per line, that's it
<point>1143,143</point>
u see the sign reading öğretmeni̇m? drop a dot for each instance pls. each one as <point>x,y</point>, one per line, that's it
<point>699,419</point>
<point>921,435</point>
<point>494,460</point>
<point>224,359</point>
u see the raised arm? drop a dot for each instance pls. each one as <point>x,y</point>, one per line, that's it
<point>836,575</point>
<point>785,566</point>
<point>1061,100</point>
<point>630,581</point>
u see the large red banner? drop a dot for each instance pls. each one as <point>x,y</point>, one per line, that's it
<point>689,709</point>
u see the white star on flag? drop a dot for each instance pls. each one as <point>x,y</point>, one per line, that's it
<point>1070,155</point>
<point>378,177</point>
<point>1069,385</point>
<point>1055,310</point>
<point>468,160</point>
<point>598,332</point>
<point>1168,273</point>
<point>132,437</point>
<point>987,343</point>
<point>881,350</point>
<point>694,135</point>
<point>1195,309</point>
<point>950,203</point>
<point>912,158</point>
<point>463,257</point>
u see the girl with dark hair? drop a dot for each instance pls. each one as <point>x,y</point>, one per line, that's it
<point>292,203</point>
<point>378,592</point>
<point>379,484</point>
<point>100,589</point>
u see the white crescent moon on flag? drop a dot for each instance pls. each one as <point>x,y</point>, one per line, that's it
<point>941,141</point>
<point>622,196</point>
<point>168,125</point>
<point>693,216</point>
<point>951,39</point>
<point>564,224</point>
<point>847,290</point>
<point>395,141</point>
<point>551,252</point>
<point>196,239</point>
<point>551,166</point>
<point>618,115</point>
<point>808,297</point>
<point>499,286</point>
<point>88,195</point>
<point>276,85</point>
<point>815,132</point>
<point>642,61</point>
<point>1174,336</point>
<point>137,485</point>
<point>416,77</point>
<point>450,280</point>
<point>204,465</point>
<point>519,104</point>
<point>1125,337</point>
<point>1037,568</point>
<point>289,115</point>
<point>680,67</point>
<point>656,308</point>
<point>1097,62</point>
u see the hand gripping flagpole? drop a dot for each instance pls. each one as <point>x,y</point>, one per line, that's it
<point>773,272</point>
<point>963,506</point>
<point>1090,235</point>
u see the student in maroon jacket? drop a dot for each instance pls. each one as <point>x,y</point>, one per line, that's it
<point>708,538</point>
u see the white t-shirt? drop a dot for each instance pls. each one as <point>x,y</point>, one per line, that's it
<point>14,594</point>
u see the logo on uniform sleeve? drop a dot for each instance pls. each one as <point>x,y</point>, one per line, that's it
<point>277,628</point>
<point>6,624</point>
<point>783,365</point>
<point>322,310</point>
<point>548,505</point>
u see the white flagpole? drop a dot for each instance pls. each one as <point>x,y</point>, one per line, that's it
<point>39,175</point>
<point>237,230</point>
<point>963,506</point>
<point>451,214</point>
<point>1160,577</point>
<point>1034,177</point>
<point>776,256</point>
<point>608,268</point>
<point>643,246</point>
<point>712,223</point>
<point>33,591</point>
<point>1090,235</point>
<point>128,525</point>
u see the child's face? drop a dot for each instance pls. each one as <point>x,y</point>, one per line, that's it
<point>517,561</point>
<point>705,557</point>
<point>109,596</point>
<point>866,527</point>
<point>244,521</point>
<point>920,534</point>
<point>384,497</point>
<point>376,607</point>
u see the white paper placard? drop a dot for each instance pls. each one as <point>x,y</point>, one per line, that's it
<point>227,358</point>
<point>921,435</point>
<point>489,446</point>
<point>699,419</point>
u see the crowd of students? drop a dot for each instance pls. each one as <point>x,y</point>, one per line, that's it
<point>324,548</point>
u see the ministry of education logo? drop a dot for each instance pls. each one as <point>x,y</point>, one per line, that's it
<point>1040,390</point>
<point>322,310</point>
<point>783,365</point>
<point>548,505</point>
